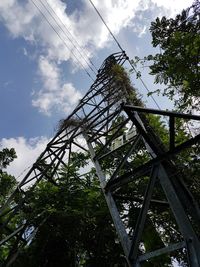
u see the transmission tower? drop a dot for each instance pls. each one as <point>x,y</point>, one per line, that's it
<point>112,124</point>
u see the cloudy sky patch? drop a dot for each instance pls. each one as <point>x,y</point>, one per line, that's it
<point>46,54</point>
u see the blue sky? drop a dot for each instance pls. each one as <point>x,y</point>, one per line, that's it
<point>40,79</point>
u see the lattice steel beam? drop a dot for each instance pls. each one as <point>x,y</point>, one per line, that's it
<point>101,121</point>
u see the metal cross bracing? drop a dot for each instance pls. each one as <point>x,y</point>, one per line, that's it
<point>138,175</point>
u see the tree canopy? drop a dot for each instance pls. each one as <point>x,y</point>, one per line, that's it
<point>73,224</point>
<point>177,66</point>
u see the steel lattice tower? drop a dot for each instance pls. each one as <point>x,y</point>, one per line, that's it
<point>99,121</point>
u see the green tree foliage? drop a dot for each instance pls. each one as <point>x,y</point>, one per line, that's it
<point>7,182</point>
<point>75,228</point>
<point>178,63</point>
<point>6,157</point>
<point>73,224</point>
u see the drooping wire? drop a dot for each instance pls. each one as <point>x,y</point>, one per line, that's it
<point>22,173</point>
<point>72,40</point>
<point>83,51</point>
<point>66,45</point>
<point>120,47</point>
<point>106,26</point>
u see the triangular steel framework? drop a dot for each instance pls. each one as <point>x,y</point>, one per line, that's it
<point>97,124</point>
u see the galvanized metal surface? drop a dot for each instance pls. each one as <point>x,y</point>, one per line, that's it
<point>97,123</point>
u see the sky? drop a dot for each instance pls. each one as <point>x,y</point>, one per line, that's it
<point>50,50</point>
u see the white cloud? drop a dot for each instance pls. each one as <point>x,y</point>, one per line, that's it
<point>173,6</point>
<point>23,19</point>
<point>117,15</point>
<point>55,93</point>
<point>17,18</point>
<point>27,152</point>
<point>49,73</point>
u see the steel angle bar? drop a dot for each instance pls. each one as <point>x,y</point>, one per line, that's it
<point>94,100</point>
<point>108,119</point>
<point>56,166</point>
<point>38,179</point>
<point>161,251</point>
<point>89,104</point>
<point>64,138</point>
<point>191,253</point>
<point>112,138</point>
<point>184,145</point>
<point>7,212</point>
<point>11,215</point>
<point>69,155</point>
<point>66,141</point>
<point>97,134</point>
<point>142,216</point>
<point>59,145</point>
<point>44,173</point>
<point>9,200</point>
<point>13,253</point>
<point>34,177</point>
<point>141,128</point>
<point>12,235</point>
<point>48,154</point>
<point>95,92</point>
<point>59,136</point>
<point>188,202</point>
<point>183,222</point>
<point>124,160</point>
<point>97,116</point>
<point>120,228</point>
<point>155,202</point>
<point>171,193</point>
<point>171,132</point>
<point>80,146</point>
<point>163,155</point>
<point>87,97</point>
<point>163,112</point>
<point>110,129</point>
<point>60,159</point>
<point>83,110</point>
<point>159,159</point>
<point>30,172</point>
<point>129,176</point>
<point>96,108</point>
<point>110,152</point>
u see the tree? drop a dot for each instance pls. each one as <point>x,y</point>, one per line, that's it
<point>71,217</point>
<point>7,182</point>
<point>178,64</point>
<point>74,225</point>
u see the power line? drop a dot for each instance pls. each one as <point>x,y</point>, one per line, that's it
<point>106,26</point>
<point>72,39</point>
<point>25,170</point>
<point>120,47</point>
<point>45,17</point>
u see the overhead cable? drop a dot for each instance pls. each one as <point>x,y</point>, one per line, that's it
<point>72,40</point>
<point>120,47</point>
<point>83,50</point>
<point>65,43</point>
